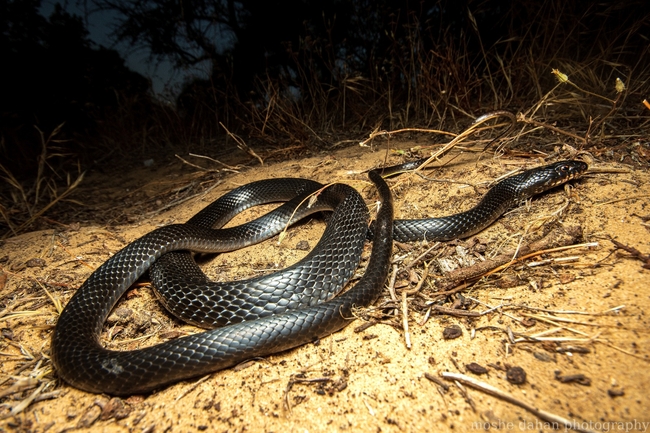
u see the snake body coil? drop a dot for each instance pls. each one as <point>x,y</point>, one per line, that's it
<point>265,315</point>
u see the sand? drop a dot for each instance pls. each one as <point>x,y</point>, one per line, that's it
<point>357,381</point>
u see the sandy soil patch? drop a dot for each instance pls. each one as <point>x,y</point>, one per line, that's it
<point>369,380</point>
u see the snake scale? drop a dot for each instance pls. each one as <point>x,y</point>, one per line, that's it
<point>263,315</point>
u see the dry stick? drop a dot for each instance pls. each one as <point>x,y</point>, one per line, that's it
<point>19,386</point>
<point>555,239</point>
<point>193,387</point>
<point>598,124</point>
<point>561,319</point>
<point>242,145</point>
<point>4,314</point>
<point>413,291</point>
<point>553,320</point>
<point>425,274</point>
<point>405,321</point>
<point>645,258</point>
<point>229,167</point>
<point>391,285</point>
<point>523,118</point>
<point>545,251</point>
<point>184,199</point>
<point>16,372</point>
<point>26,402</point>
<point>458,139</point>
<point>564,79</point>
<point>391,290</point>
<point>437,381</point>
<point>634,197</point>
<point>376,133</point>
<point>310,199</point>
<point>583,313</point>
<point>541,414</point>
<point>474,126</point>
<point>75,258</point>
<point>453,143</point>
<point>207,170</point>
<point>455,311</point>
<point>555,323</point>
<point>464,392</point>
<point>620,349</point>
<point>56,301</point>
<point>421,256</point>
<point>426,317</point>
<point>593,170</point>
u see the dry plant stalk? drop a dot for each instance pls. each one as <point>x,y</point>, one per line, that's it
<point>242,145</point>
<point>29,200</point>
<point>555,239</point>
<point>541,414</point>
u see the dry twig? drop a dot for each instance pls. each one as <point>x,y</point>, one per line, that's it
<point>645,258</point>
<point>555,239</point>
<point>556,420</point>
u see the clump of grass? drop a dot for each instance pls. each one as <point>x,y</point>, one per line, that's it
<point>410,68</point>
<point>24,202</point>
<point>439,74</point>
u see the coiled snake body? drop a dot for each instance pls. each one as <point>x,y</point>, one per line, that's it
<point>264,315</point>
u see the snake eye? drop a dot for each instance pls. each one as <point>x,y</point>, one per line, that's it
<point>564,169</point>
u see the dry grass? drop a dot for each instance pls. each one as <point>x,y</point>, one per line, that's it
<point>573,75</point>
<point>24,204</point>
<point>430,77</point>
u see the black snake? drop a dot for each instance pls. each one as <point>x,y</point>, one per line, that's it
<point>264,315</point>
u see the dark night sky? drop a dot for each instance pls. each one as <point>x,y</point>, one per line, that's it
<point>166,81</point>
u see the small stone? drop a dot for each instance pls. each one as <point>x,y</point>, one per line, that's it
<point>36,263</point>
<point>89,417</point>
<point>516,375</point>
<point>615,392</point>
<point>476,368</point>
<point>452,332</point>
<point>542,356</point>
<point>8,333</point>
<point>579,378</point>
<point>529,322</point>
<point>303,246</point>
<point>115,408</point>
<point>567,278</point>
<point>508,281</point>
<point>123,312</point>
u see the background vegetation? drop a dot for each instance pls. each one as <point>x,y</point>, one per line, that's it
<point>301,73</point>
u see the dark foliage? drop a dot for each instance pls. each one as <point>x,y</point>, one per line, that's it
<point>282,70</point>
<point>295,71</point>
<point>53,75</point>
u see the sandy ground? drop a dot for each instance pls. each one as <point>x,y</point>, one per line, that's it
<point>369,380</point>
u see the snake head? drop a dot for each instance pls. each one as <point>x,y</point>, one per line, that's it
<point>571,169</point>
<point>567,170</point>
<point>540,179</point>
